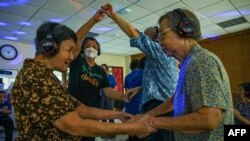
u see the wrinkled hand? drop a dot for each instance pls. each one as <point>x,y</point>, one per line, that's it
<point>125,116</point>
<point>99,15</point>
<point>146,129</point>
<point>108,9</point>
<point>135,118</point>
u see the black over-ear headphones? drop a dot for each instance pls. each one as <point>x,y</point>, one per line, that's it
<point>49,46</point>
<point>185,27</point>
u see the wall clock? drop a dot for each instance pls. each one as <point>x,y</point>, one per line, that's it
<point>8,52</point>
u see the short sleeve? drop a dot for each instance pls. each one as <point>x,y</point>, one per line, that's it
<point>146,45</point>
<point>113,82</point>
<point>205,85</point>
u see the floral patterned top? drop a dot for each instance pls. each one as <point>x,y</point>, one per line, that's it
<point>160,70</point>
<point>203,81</point>
<point>39,99</point>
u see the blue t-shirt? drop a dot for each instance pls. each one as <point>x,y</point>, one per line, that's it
<point>2,105</point>
<point>132,80</point>
<point>112,81</point>
<point>160,71</point>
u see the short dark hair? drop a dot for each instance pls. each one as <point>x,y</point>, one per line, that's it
<point>174,18</point>
<point>135,64</point>
<point>246,88</point>
<point>106,67</point>
<point>92,39</point>
<point>59,33</point>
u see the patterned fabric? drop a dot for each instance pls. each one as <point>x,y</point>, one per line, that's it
<point>203,81</point>
<point>244,110</point>
<point>160,71</point>
<point>39,99</point>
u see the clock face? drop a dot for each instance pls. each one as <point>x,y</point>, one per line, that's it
<point>8,52</point>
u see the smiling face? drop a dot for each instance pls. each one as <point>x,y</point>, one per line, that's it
<point>60,62</point>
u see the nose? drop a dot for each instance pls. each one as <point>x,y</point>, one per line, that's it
<point>71,56</point>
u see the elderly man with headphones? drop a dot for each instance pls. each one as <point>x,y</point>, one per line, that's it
<point>44,110</point>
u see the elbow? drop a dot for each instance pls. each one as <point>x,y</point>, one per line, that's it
<point>213,125</point>
<point>213,122</point>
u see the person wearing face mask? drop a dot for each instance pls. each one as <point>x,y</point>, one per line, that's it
<point>86,78</point>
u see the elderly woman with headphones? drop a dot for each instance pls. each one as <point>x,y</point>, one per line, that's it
<point>44,110</point>
<point>202,102</point>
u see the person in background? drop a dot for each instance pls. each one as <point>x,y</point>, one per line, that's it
<point>44,110</point>
<point>5,120</point>
<point>242,108</point>
<point>132,80</point>
<point>108,103</point>
<point>160,73</point>
<point>202,102</point>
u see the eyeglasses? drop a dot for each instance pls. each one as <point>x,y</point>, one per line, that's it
<point>162,33</point>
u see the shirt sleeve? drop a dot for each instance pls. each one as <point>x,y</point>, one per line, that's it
<point>126,82</point>
<point>113,81</point>
<point>146,45</point>
<point>206,85</point>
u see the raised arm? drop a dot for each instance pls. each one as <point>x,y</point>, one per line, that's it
<point>84,29</point>
<point>122,23</point>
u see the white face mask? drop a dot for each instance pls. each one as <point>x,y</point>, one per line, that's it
<point>90,52</point>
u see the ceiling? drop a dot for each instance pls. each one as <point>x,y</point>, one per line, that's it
<point>19,19</point>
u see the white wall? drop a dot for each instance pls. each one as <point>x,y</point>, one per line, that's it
<point>114,60</point>
<point>24,51</point>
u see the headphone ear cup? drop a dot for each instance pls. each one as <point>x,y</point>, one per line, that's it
<point>48,47</point>
<point>187,28</point>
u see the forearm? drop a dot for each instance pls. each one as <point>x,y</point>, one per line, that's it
<point>164,108</point>
<point>73,124</point>
<point>92,128</point>
<point>82,32</point>
<point>240,117</point>
<point>113,94</point>
<point>193,122</point>
<point>126,27</point>
<point>97,114</point>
